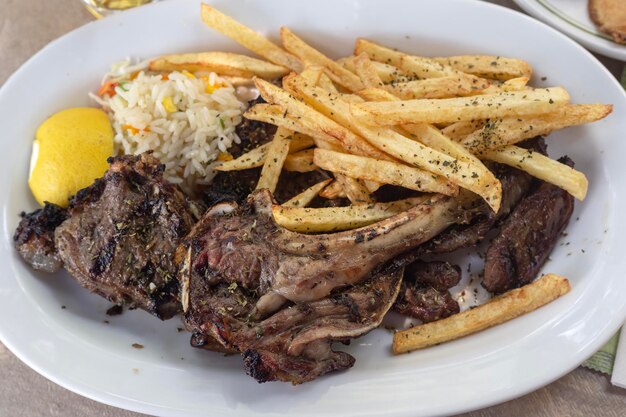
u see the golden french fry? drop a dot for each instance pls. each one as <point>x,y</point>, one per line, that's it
<point>305,197</point>
<point>442,87</point>
<point>375,94</point>
<point>508,131</point>
<point>307,53</point>
<point>514,84</point>
<point>459,130</point>
<point>327,84</point>
<point>318,122</point>
<point>277,115</point>
<point>460,172</point>
<point>450,110</point>
<point>386,172</point>
<point>432,137</point>
<point>355,190</point>
<point>252,159</point>
<point>276,155</point>
<point>387,73</point>
<point>542,167</point>
<point>331,219</point>
<point>500,309</point>
<point>223,63</point>
<point>248,38</point>
<point>333,190</point>
<point>300,161</point>
<point>256,157</point>
<point>312,73</point>
<point>414,66</point>
<point>366,71</point>
<point>495,67</point>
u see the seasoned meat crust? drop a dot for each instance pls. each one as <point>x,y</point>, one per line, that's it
<point>527,237</point>
<point>34,237</point>
<point>424,294</point>
<point>281,298</point>
<point>122,232</point>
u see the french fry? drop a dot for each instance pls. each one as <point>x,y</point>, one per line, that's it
<point>415,66</point>
<point>252,159</point>
<point>314,125</point>
<point>312,73</point>
<point>457,171</point>
<point>331,219</point>
<point>355,190</point>
<point>387,73</point>
<point>514,84</point>
<point>432,137</point>
<point>318,122</point>
<point>305,197</point>
<point>459,130</point>
<point>300,161</point>
<point>366,71</point>
<point>542,167</point>
<point>386,172</point>
<point>222,63</point>
<point>375,94</point>
<point>495,67</point>
<point>256,157</point>
<point>278,115</point>
<point>334,190</point>
<point>450,110</point>
<point>500,309</point>
<point>273,165</point>
<point>442,87</point>
<point>248,38</point>
<point>307,53</point>
<point>508,131</point>
<point>327,84</point>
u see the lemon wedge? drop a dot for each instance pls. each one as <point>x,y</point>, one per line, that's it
<point>69,153</point>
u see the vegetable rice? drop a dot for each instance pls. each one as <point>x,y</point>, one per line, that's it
<point>187,120</point>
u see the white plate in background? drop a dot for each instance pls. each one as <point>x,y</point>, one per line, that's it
<point>572,18</point>
<point>73,347</point>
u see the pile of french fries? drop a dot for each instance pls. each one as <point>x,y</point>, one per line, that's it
<point>382,116</point>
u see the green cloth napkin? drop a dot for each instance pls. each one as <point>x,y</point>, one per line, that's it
<point>602,360</point>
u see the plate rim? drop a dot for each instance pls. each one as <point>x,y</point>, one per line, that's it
<point>138,406</point>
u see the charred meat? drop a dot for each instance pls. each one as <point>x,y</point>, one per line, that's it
<point>121,233</point>
<point>34,237</point>
<point>424,294</point>
<point>527,237</point>
<point>280,298</point>
<point>515,185</point>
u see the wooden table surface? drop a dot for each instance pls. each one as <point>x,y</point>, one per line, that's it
<point>28,25</point>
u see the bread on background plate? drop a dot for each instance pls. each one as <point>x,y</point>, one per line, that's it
<point>610,16</point>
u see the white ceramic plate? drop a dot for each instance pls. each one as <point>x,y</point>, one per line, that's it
<point>572,18</point>
<point>73,347</point>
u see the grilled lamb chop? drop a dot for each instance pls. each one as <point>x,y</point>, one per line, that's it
<point>527,237</point>
<point>122,232</point>
<point>34,237</point>
<point>424,294</point>
<point>240,268</point>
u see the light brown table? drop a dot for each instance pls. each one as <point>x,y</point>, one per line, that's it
<point>25,27</point>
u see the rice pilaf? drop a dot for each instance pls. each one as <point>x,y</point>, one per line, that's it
<point>187,120</point>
